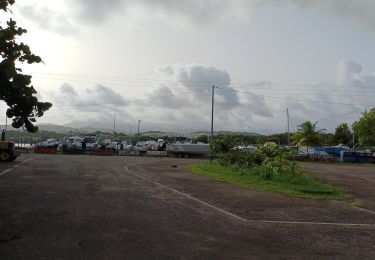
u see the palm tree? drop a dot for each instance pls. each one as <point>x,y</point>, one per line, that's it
<point>307,134</point>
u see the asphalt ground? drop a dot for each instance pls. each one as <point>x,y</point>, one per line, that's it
<point>90,207</point>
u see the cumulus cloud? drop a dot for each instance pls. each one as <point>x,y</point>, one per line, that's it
<point>199,79</point>
<point>67,89</point>
<point>187,92</point>
<point>94,99</point>
<point>349,71</point>
<point>94,106</point>
<point>263,104</point>
<point>182,100</point>
<point>163,96</point>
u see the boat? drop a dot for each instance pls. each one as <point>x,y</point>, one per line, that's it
<point>49,143</point>
<point>188,150</point>
<point>336,150</point>
<point>91,142</point>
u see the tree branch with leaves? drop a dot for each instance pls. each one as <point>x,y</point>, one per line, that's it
<point>16,89</point>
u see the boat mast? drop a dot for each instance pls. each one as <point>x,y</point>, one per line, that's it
<point>212,121</point>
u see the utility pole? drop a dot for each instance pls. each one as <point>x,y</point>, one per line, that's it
<point>139,123</point>
<point>287,114</point>
<point>114,129</point>
<point>353,139</point>
<point>212,120</point>
<point>130,128</point>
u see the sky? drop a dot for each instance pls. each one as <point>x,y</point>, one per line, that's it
<point>156,61</point>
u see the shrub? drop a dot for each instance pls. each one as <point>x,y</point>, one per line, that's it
<point>265,162</point>
<point>271,156</point>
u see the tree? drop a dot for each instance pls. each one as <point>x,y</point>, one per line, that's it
<point>201,139</point>
<point>364,128</point>
<point>343,135</point>
<point>16,89</point>
<point>307,135</point>
<point>222,144</point>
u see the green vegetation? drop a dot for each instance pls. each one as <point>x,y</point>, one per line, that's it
<point>343,135</point>
<point>364,128</point>
<point>16,89</point>
<point>307,134</point>
<point>266,168</point>
<point>265,179</point>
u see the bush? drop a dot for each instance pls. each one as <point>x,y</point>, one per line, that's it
<point>238,158</point>
<point>265,162</point>
<point>262,155</point>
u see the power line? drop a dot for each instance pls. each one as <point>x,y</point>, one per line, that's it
<point>121,79</point>
<point>294,99</point>
<point>284,91</point>
<point>321,94</point>
<point>221,88</point>
<point>131,101</point>
<point>120,83</point>
<point>227,89</point>
<point>134,79</point>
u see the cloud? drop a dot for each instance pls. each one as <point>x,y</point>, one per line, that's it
<point>66,89</point>
<point>186,92</point>
<point>47,18</point>
<point>349,71</point>
<point>199,79</point>
<point>163,96</point>
<point>347,96</point>
<point>94,99</point>
<point>210,11</point>
<point>361,12</point>
<point>95,12</point>
<point>197,12</point>
<point>182,100</point>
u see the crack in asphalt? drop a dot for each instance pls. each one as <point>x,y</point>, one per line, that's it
<point>10,239</point>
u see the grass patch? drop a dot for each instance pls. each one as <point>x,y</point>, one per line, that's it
<point>262,178</point>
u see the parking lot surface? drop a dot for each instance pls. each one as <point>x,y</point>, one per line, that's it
<point>90,207</point>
